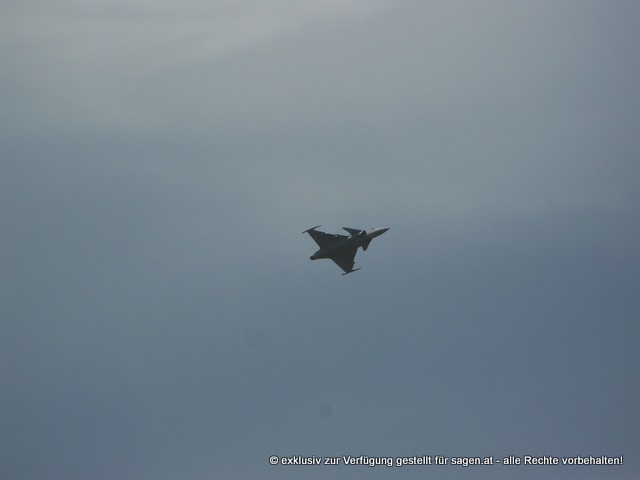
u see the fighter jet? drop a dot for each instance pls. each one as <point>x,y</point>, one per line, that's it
<point>342,249</point>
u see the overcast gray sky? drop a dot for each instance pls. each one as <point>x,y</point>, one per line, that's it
<point>159,314</point>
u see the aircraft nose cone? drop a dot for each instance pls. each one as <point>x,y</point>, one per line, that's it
<point>376,232</point>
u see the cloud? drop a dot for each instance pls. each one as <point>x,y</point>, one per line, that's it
<point>160,315</point>
<point>80,64</point>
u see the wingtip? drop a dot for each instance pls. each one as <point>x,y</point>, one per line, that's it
<point>351,271</point>
<point>312,228</point>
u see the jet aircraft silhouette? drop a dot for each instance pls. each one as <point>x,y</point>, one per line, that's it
<point>342,249</point>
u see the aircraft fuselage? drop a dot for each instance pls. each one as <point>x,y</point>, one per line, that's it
<point>355,240</point>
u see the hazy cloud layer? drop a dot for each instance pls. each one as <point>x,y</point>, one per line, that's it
<point>159,315</point>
